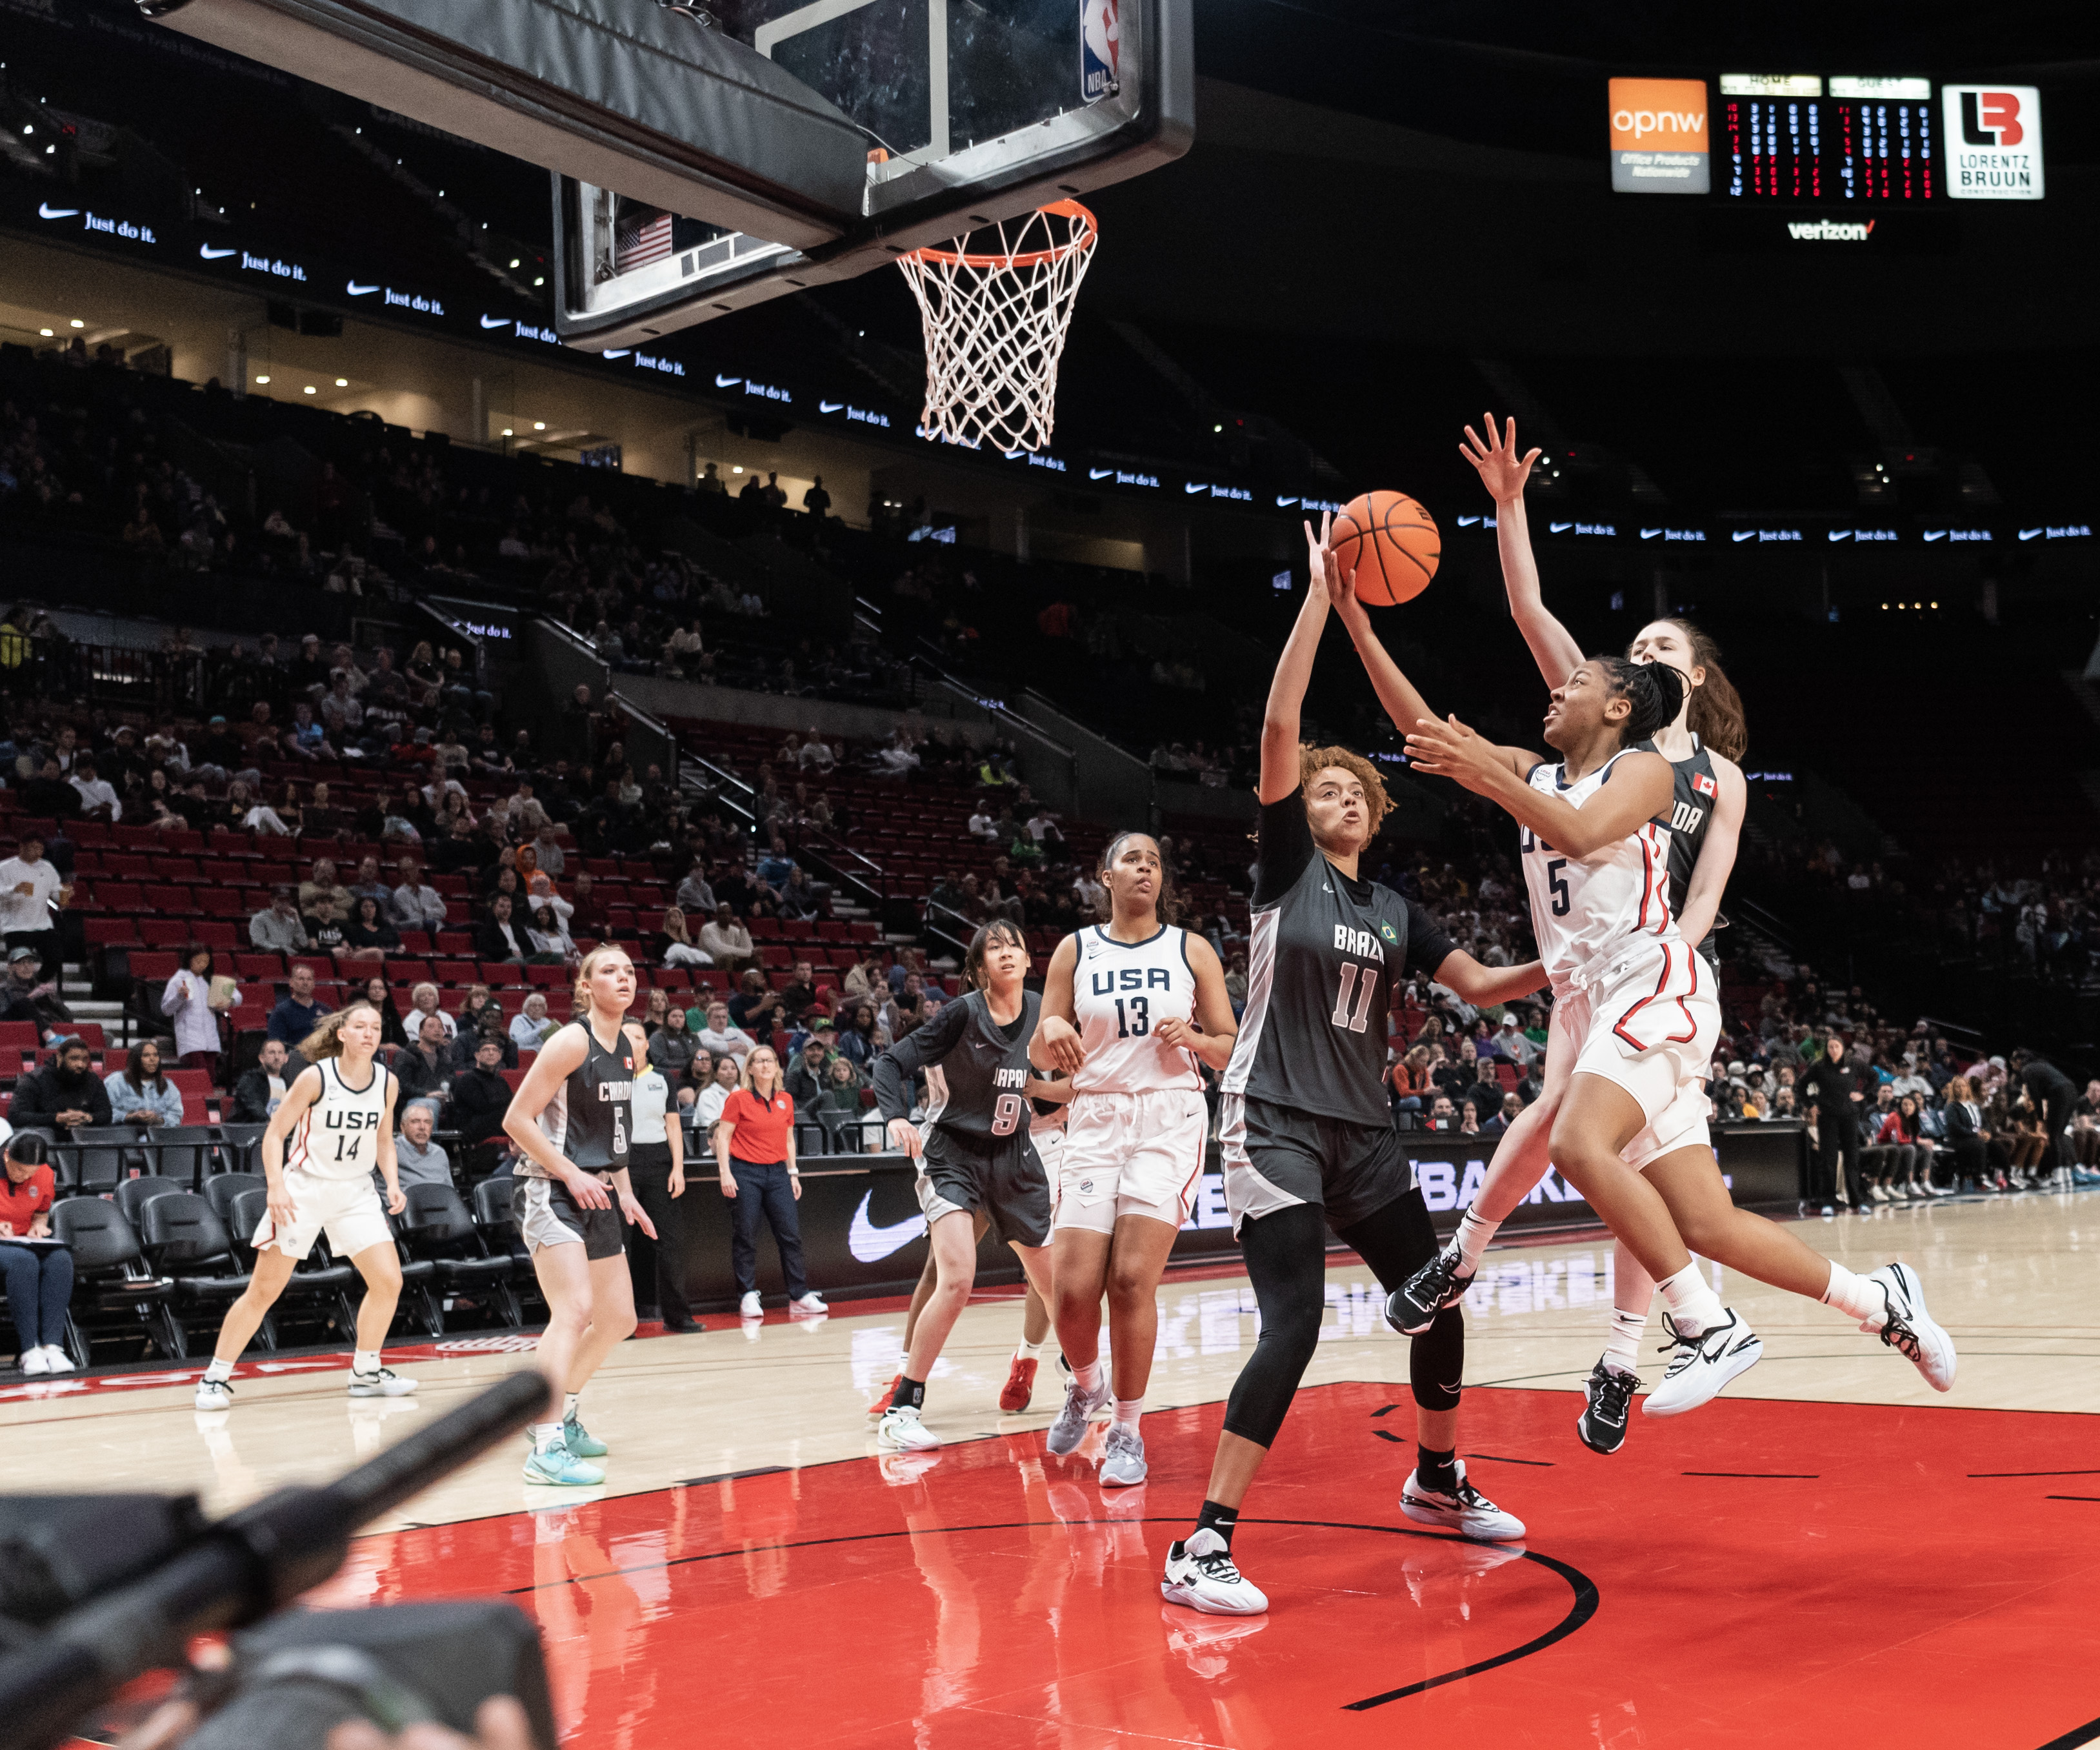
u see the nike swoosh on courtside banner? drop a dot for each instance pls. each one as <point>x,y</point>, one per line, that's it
<point>870,1243</point>
<point>496,322</point>
<point>1741,535</point>
<point>355,290</point>
<point>727,382</point>
<point>210,253</point>
<point>1099,474</point>
<point>46,211</point>
<point>1558,528</point>
<point>829,407</point>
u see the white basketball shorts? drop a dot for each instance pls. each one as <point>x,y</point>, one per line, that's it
<point>1651,1023</point>
<point>1131,1154</point>
<point>348,1210</point>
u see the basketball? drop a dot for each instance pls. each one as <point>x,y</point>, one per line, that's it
<point>1392,543</point>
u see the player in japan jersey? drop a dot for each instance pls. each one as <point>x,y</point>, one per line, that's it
<point>572,1121</point>
<point>973,1149</point>
<point>1702,743</point>
<point>334,1125</point>
<point>1304,1124</point>
<point>1631,1133</point>
<point>1131,1007</point>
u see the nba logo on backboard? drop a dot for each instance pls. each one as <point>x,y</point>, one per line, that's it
<point>1101,33</point>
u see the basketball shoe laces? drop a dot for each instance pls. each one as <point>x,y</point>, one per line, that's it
<point>1897,1332</point>
<point>1218,1566</point>
<point>1688,1344</point>
<point>1615,1391</point>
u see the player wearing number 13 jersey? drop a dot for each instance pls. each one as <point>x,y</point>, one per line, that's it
<point>1307,1134</point>
<point>973,1149</point>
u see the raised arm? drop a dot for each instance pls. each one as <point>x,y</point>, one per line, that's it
<point>1701,899</point>
<point>1641,787</point>
<point>1503,472</point>
<point>1395,691</point>
<point>1294,672</point>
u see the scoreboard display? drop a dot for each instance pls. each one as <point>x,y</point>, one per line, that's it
<point>1751,139</point>
<point>1867,140</point>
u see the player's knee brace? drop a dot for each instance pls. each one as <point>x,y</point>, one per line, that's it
<point>1287,1265</point>
<point>1436,1364</point>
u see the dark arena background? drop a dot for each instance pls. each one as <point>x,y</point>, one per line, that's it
<point>781,496</point>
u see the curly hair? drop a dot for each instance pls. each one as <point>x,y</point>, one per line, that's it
<point>1716,716</point>
<point>1312,760</point>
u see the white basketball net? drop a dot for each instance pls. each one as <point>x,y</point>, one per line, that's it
<point>994,322</point>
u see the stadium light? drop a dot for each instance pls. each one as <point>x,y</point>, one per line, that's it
<point>539,425</point>
<point>308,389</point>
<point>77,322</point>
<point>46,333</point>
<point>342,382</point>
<point>261,379</point>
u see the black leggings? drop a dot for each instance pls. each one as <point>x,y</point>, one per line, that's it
<point>1287,1259</point>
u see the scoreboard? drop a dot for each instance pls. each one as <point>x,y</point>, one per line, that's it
<point>1840,141</point>
<point>1867,140</point>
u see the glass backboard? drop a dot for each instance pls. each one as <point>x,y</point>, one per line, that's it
<point>972,111</point>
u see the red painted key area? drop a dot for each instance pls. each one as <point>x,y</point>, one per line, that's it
<point>1760,1573</point>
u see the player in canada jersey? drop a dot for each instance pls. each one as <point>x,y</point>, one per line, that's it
<point>973,1149</point>
<point>1131,1007</point>
<point>1632,1134</point>
<point>333,1129</point>
<point>1702,743</point>
<point>1305,1128</point>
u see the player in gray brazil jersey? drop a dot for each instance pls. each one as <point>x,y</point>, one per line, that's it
<point>1307,1134</point>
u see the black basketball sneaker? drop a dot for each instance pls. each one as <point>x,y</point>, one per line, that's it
<point>1413,1307</point>
<point>1603,1422</point>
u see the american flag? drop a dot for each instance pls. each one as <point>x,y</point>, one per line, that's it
<point>636,242</point>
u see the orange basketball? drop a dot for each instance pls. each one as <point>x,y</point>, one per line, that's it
<point>1393,544</point>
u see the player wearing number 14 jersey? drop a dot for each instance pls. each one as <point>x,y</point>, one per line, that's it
<point>1307,1134</point>
<point>973,1149</point>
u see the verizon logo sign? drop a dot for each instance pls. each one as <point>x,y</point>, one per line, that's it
<point>1828,231</point>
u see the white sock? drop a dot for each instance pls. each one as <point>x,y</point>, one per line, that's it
<point>1089,1377</point>
<point>219,1370</point>
<point>569,1405</point>
<point>1127,1411</point>
<point>1475,1231</point>
<point>1623,1351</point>
<point>1029,1351</point>
<point>1857,1296</point>
<point>364,1361</point>
<point>546,1436</point>
<point>1693,1306</point>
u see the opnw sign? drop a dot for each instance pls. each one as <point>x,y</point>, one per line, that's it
<point>1993,141</point>
<point>1658,143</point>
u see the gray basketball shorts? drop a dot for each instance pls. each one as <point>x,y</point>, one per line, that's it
<point>1277,1156</point>
<point>1006,1182</point>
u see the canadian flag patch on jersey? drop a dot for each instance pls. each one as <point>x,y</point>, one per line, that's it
<point>1704,785</point>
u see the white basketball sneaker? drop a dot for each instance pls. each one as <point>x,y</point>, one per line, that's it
<point>902,1429</point>
<point>1909,1329</point>
<point>1464,1510</point>
<point>1200,1574</point>
<point>214,1395</point>
<point>1705,1361</point>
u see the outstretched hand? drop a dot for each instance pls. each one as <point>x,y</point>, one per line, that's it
<point>1501,470</point>
<point>1450,749</point>
<point>1333,581</point>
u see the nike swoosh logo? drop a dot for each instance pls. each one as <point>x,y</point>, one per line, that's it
<point>1741,535</point>
<point>727,382</point>
<point>829,407</point>
<point>56,212</point>
<point>1936,534</point>
<point>1283,503</point>
<point>1649,534</point>
<point>2026,534</point>
<point>210,253</point>
<point>496,322</point>
<point>1099,474</point>
<point>1558,528</point>
<point>870,1243</point>
<point>355,290</point>
<point>621,354</point>
<point>1840,534</point>
<point>1467,522</point>
<point>1193,487</point>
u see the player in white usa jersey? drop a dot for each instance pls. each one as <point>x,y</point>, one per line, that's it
<point>1631,1135</point>
<point>1130,1008</point>
<point>334,1126</point>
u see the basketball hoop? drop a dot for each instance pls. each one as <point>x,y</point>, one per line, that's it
<point>995,323</point>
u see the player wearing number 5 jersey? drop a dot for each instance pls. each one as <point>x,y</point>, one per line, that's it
<point>1130,1008</point>
<point>973,1149</point>
<point>1308,1136</point>
<point>334,1125</point>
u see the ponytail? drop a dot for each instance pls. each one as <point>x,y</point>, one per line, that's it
<point>1654,690</point>
<point>325,1041</point>
<point>580,996</point>
<point>1168,903</point>
<point>1716,716</point>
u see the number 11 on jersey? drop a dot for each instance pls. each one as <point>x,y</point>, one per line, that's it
<point>1361,1018</point>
